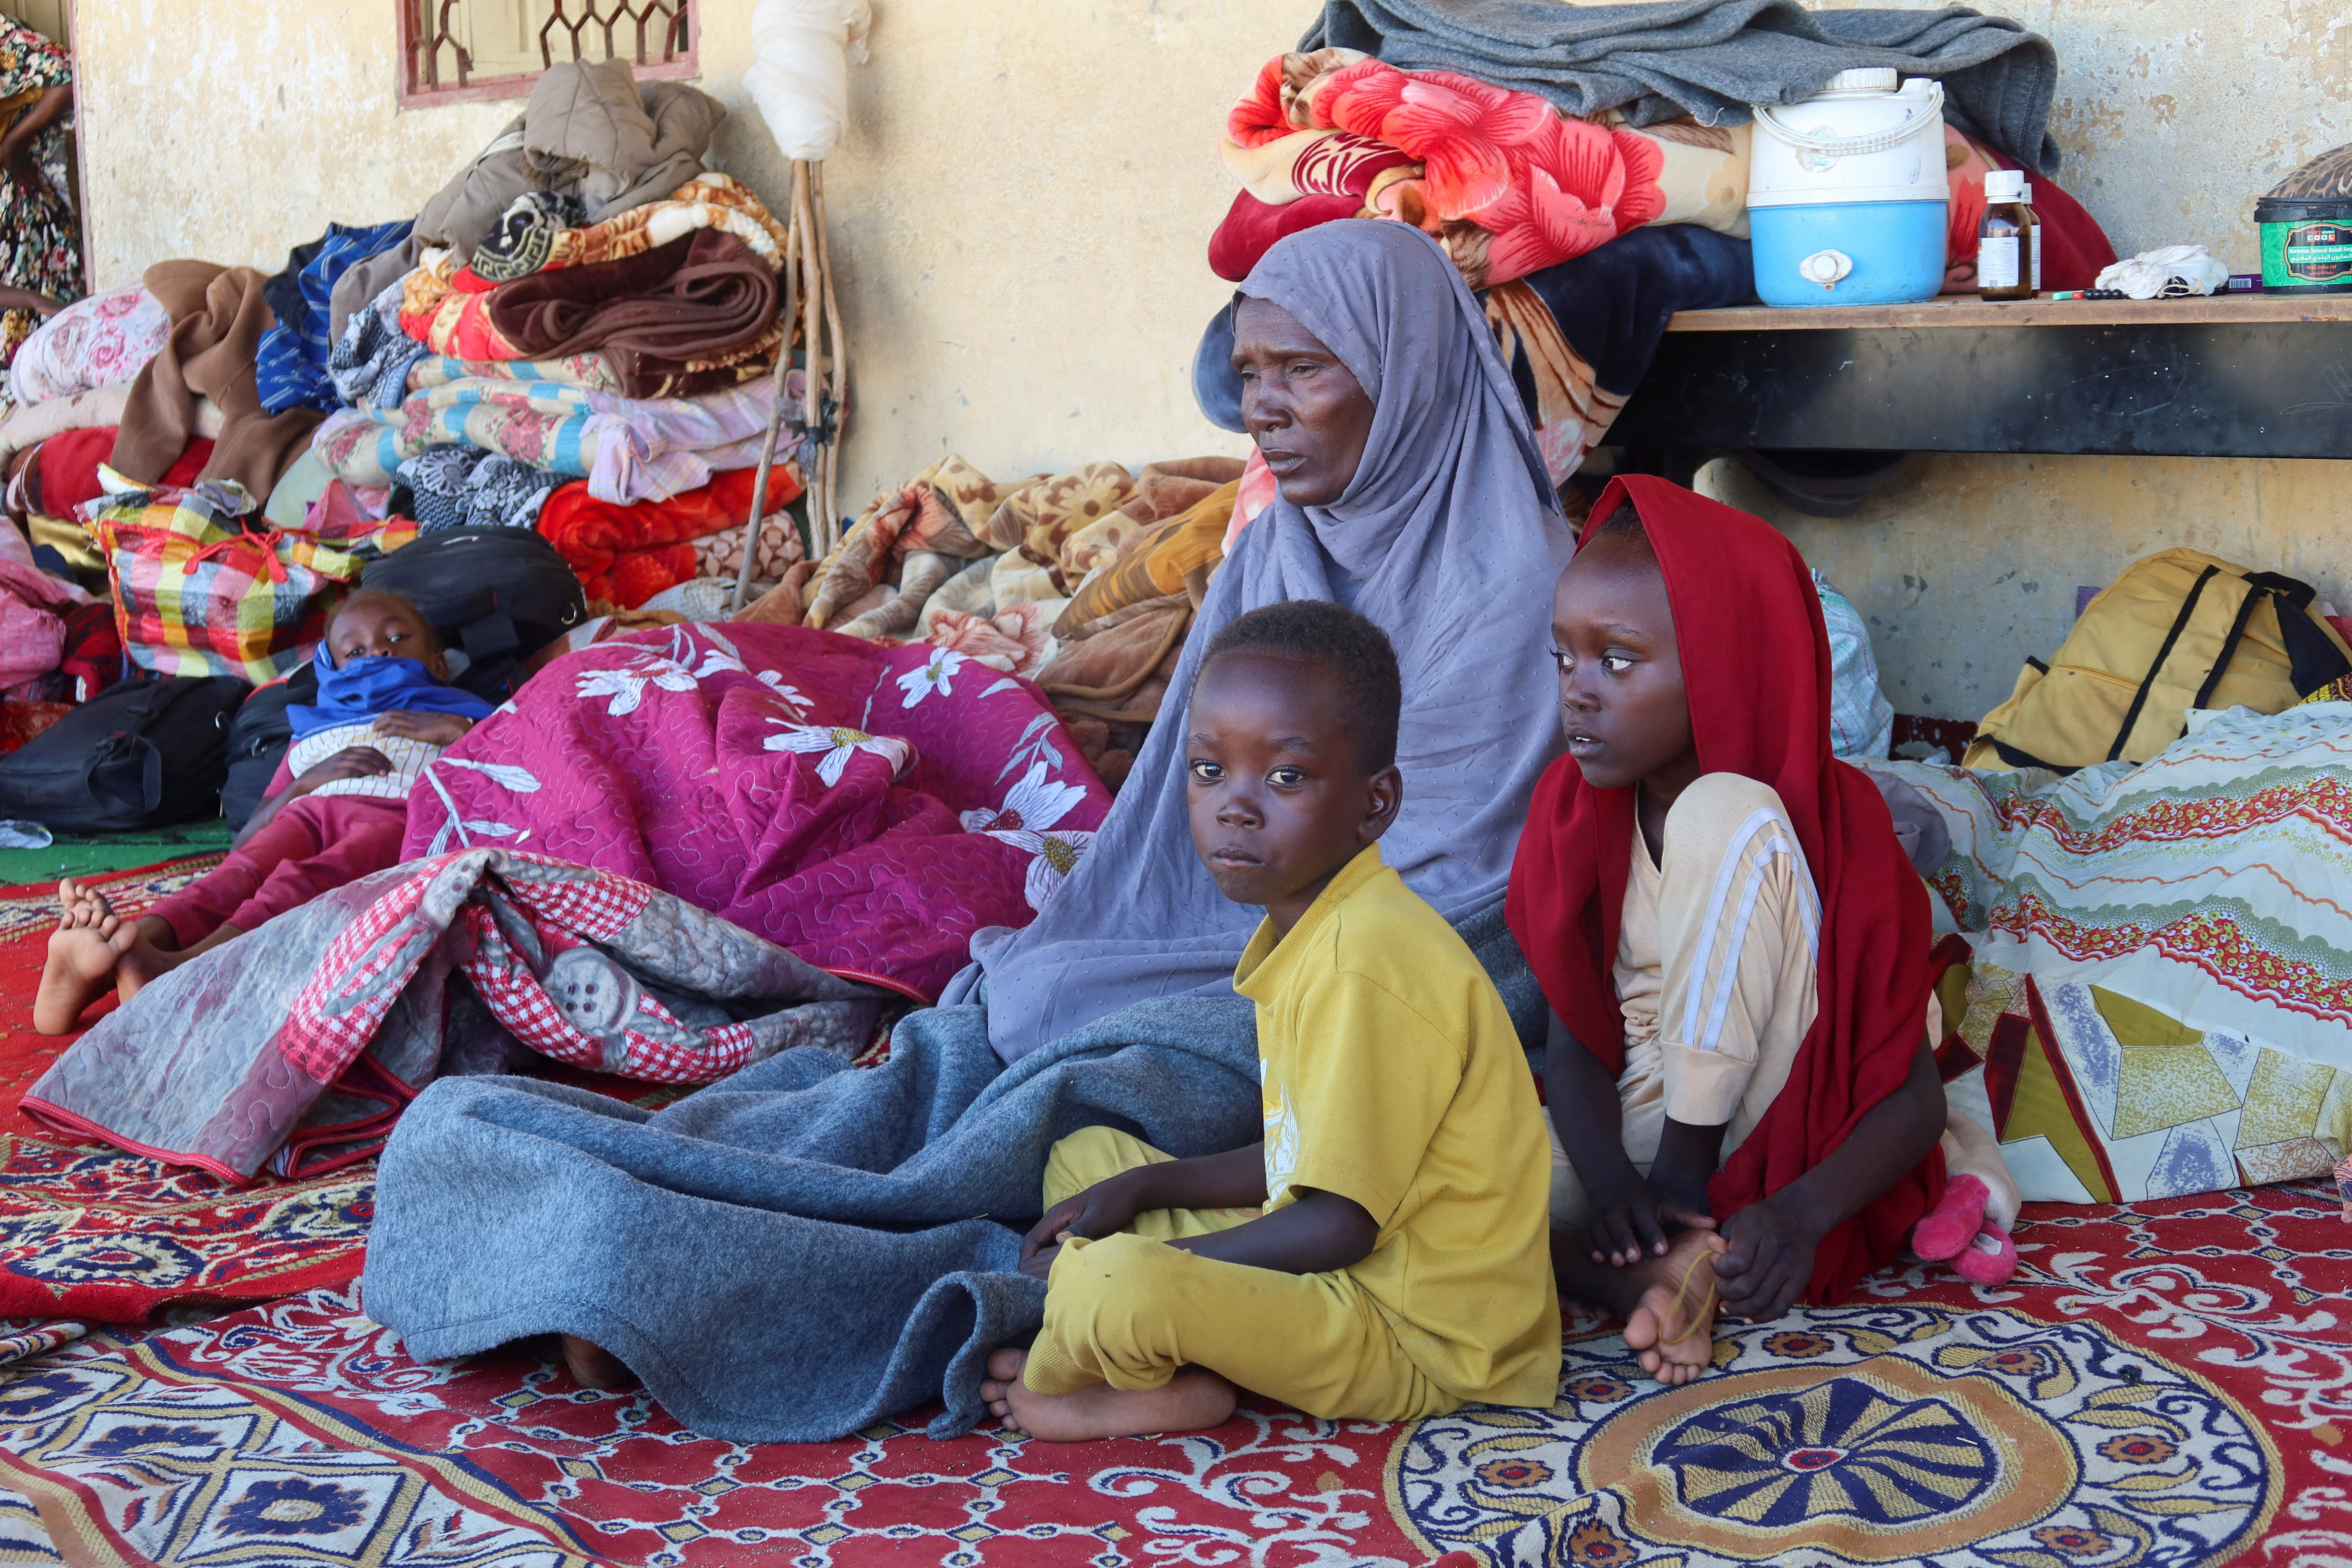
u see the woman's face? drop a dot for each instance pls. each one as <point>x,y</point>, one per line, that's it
<point>1309,415</point>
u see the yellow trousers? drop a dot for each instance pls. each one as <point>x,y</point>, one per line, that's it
<point>1129,1310</point>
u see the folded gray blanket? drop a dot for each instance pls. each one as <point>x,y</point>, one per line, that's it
<point>804,1249</point>
<point>1713,58</point>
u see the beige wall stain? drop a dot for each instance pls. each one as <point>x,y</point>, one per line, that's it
<point>1023,202</point>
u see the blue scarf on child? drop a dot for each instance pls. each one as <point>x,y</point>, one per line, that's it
<point>367,686</point>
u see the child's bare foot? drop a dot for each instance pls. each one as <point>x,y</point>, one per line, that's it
<point>592,1367</point>
<point>143,964</point>
<point>84,952</point>
<point>1670,1327</point>
<point>1191,1401</point>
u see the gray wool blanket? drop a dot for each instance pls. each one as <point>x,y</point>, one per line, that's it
<point>1713,58</point>
<point>806,1248</point>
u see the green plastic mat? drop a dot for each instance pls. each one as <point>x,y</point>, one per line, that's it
<point>81,856</point>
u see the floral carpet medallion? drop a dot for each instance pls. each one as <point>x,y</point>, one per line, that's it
<point>1862,1434</point>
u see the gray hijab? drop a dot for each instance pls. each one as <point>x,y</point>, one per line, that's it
<point>1448,537</point>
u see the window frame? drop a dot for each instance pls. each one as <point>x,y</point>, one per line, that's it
<point>413,92</point>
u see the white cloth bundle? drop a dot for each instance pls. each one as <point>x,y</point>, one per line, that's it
<point>2152,274</point>
<point>799,75</point>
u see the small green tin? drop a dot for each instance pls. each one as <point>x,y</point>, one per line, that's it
<point>2306,244</point>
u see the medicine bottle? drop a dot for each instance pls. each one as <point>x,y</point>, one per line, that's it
<point>2005,239</point>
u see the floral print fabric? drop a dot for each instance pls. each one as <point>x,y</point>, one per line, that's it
<point>103,341</point>
<point>868,808</point>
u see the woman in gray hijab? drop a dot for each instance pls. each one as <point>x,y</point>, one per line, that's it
<point>803,1248</point>
<point>1447,535</point>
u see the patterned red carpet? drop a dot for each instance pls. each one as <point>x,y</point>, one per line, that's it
<point>89,1232</point>
<point>2166,1385</point>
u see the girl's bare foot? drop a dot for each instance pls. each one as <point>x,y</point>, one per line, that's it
<point>1193,1400</point>
<point>84,952</point>
<point>592,1367</point>
<point>1671,1329</point>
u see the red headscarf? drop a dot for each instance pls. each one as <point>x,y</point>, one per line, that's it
<point>1756,664</point>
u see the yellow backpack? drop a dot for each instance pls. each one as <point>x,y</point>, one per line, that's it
<point>2179,630</point>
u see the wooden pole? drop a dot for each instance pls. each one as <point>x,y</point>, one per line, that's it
<point>813,345</point>
<point>775,426</point>
<point>838,341</point>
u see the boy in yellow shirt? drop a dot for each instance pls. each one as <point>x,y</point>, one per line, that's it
<point>1384,1253</point>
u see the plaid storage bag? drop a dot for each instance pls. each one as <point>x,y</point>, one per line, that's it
<point>204,587</point>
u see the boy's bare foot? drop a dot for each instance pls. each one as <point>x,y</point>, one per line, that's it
<point>1671,1328</point>
<point>592,1367</point>
<point>1191,1401</point>
<point>84,952</point>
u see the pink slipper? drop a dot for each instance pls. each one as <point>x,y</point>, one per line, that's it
<point>1990,1259</point>
<point>1947,1227</point>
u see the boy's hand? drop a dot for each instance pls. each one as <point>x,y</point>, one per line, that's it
<point>1769,1262</point>
<point>1637,1219</point>
<point>433,729</point>
<point>1103,1209</point>
<point>351,763</point>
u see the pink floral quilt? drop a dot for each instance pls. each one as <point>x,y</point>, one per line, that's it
<point>868,808</point>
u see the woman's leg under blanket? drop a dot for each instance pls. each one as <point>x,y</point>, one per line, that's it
<point>1738,919</point>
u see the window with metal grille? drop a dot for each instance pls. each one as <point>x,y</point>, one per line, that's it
<point>457,49</point>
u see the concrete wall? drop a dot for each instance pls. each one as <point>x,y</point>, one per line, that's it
<point>1021,203</point>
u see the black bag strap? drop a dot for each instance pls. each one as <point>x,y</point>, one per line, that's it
<point>2294,590</point>
<point>2017,758</point>
<point>2256,594</point>
<point>2155,666</point>
<point>2313,657</point>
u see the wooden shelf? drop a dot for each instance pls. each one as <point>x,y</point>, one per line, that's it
<point>1964,310</point>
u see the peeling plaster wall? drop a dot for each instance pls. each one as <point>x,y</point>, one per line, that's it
<point>1021,203</point>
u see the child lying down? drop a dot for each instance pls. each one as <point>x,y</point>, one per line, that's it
<point>384,713</point>
<point>1381,1254</point>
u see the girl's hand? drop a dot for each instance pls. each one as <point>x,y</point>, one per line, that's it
<point>1103,1209</point>
<point>1770,1262</point>
<point>351,763</point>
<point>433,729</point>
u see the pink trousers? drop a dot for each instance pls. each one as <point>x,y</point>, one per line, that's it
<point>313,844</point>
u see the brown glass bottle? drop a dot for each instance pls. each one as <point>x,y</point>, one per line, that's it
<point>2005,239</point>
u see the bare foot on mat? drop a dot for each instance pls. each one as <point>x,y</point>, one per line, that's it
<point>1671,1329</point>
<point>84,953</point>
<point>592,1367</point>
<point>1191,1401</point>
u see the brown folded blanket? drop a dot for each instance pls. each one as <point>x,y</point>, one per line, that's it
<point>695,301</point>
<point>218,318</point>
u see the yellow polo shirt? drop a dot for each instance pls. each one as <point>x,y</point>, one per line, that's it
<point>1391,1076</point>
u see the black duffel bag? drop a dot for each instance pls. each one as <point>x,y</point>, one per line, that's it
<point>259,740</point>
<point>499,595</point>
<point>144,753</point>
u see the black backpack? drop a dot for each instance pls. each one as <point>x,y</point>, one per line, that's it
<point>144,753</point>
<point>259,740</point>
<point>498,594</point>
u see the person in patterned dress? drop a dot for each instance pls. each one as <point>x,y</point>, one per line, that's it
<point>40,238</point>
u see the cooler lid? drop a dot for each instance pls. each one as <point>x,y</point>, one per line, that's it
<point>1863,78</point>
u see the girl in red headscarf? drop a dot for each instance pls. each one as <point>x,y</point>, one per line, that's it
<point>1732,941</point>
